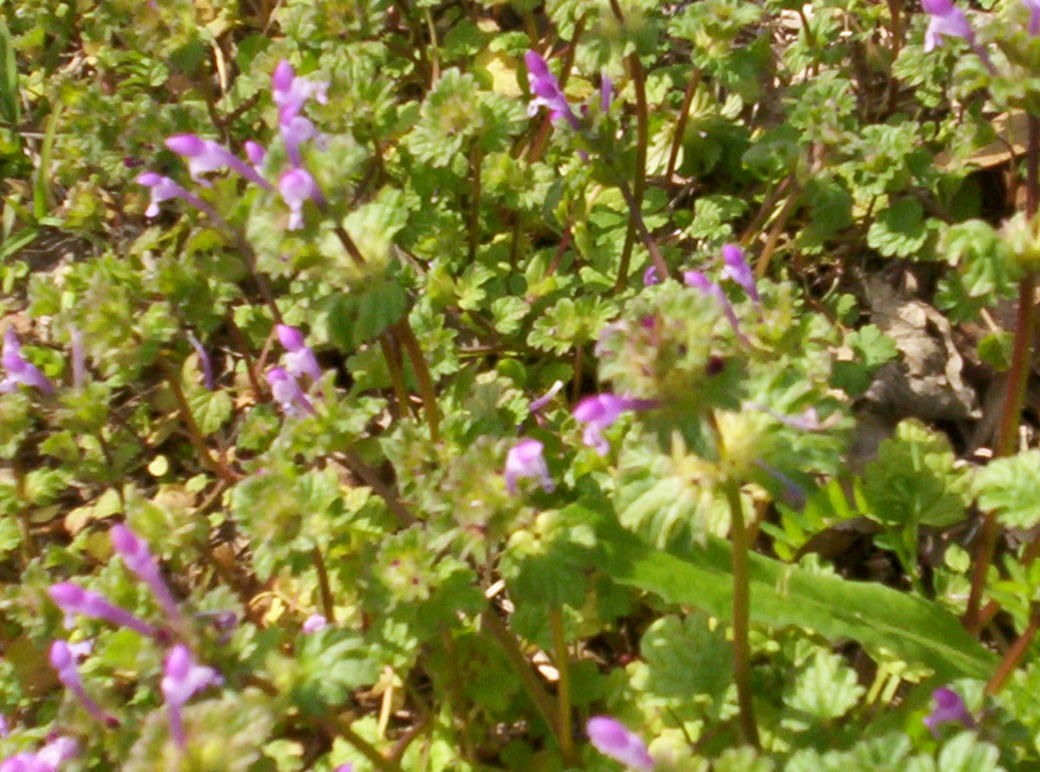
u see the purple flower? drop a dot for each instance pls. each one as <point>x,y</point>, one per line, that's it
<point>256,154</point>
<point>546,91</point>
<point>138,558</point>
<point>300,359</point>
<point>297,186</point>
<point>610,737</point>
<point>182,678</point>
<point>344,768</point>
<point>600,411</point>
<point>72,599</point>
<point>1033,6</point>
<point>164,189</point>
<point>947,21</point>
<point>314,623</point>
<point>606,92</point>
<point>19,370</point>
<point>650,276</point>
<point>295,131</point>
<point>525,460</point>
<point>544,400</point>
<point>738,270</point>
<point>207,366</point>
<point>63,660</point>
<point>287,393</point>
<point>205,156</point>
<point>698,280</point>
<point>948,707</point>
<point>48,759</point>
<point>292,92</point>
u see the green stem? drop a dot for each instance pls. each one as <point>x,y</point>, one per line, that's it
<point>1017,376</point>
<point>532,685</point>
<point>563,688</point>
<point>741,616</point>
<point>327,605</point>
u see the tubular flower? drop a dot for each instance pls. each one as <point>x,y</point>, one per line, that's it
<point>207,366</point>
<point>297,187</point>
<point>291,93</point>
<point>546,91</point>
<point>698,280</point>
<point>256,153</point>
<point>737,269</point>
<point>182,678</point>
<point>287,393</point>
<point>48,759</point>
<point>300,359</point>
<point>205,155</point>
<point>948,707</point>
<point>1033,6</point>
<point>525,460</point>
<point>314,623</point>
<point>947,21</point>
<point>18,370</point>
<point>63,660</point>
<point>72,599</point>
<point>138,558</point>
<point>164,189</point>
<point>600,411</point>
<point>610,737</point>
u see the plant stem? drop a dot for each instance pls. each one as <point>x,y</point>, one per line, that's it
<point>218,465</point>
<point>639,184</point>
<point>741,614</point>
<point>532,685</point>
<point>1017,376</point>
<point>1015,653</point>
<point>327,605</point>
<point>680,125</point>
<point>563,688</point>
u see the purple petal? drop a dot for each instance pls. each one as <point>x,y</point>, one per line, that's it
<point>610,737</point>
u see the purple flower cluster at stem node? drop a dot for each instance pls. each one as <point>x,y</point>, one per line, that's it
<point>182,678</point>
<point>546,91</point>
<point>291,93</point>
<point>18,370</point>
<point>610,737</point>
<point>525,460</point>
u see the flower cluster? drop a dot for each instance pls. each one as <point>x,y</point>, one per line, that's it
<point>300,363</point>
<point>49,758</point>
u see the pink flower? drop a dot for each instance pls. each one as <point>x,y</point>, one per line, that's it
<point>297,187</point>
<point>610,737</point>
<point>948,707</point>
<point>525,460</point>
<point>292,92</point>
<point>182,678</point>
<point>546,91</point>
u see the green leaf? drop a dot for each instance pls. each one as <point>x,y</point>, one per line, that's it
<point>9,98</point>
<point>1010,487</point>
<point>899,231</point>
<point>967,753</point>
<point>827,688</point>
<point>211,409</point>
<point>686,657</point>
<point>914,479</point>
<point>917,630</point>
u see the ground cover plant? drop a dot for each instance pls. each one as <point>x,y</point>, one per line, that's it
<point>458,385</point>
